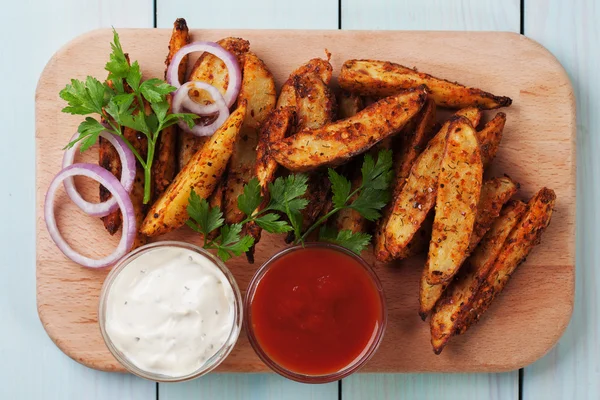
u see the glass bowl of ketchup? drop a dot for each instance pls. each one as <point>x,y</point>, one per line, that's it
<point>315,313</point>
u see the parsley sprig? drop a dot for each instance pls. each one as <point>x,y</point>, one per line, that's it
<point>121,104</point>
<point>285,197</point>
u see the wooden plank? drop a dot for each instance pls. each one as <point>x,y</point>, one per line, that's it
<point>33,367</point>
<point>571,32</point>
<point>537,150</point>
<point>431,386</point>
<point>247,387</point>
<point>439,15</point>
<point>432,15</point>
<point>243,14</point>
<point>258,14</point>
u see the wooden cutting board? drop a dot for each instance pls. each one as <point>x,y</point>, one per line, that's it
<point>538,150</point>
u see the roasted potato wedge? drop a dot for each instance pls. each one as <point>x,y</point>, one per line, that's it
<point>164,166</point>
<point>276,127</point>
<point>212,70</point>
<point>258,89</point>
<point>382,78</point>
<point>202,174</point>
<point>108,158</point>
<point>519,243</point>
<point>490,137</point>
<point>459,189</point>
<point>337,142</point>
<point>417,197</point>
<point>413,142</point>
<point>180,36</point>
<point>494,194</point>
<point>458,298</point>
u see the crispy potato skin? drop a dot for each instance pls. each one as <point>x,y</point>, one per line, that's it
<point>413,142</point>
<point>382,78</point>
<point>258,89</point>
<point>459,188</point>
<point>140,142</point>
<point>519,243</point>
<point>202,174</point>
<point>108,158</point>
<point>410,207</point>
<point>179,38</point>
<point>490,137</point>
<point>277,125</point>
<point>212,70</point>
<point>337,142</point>
<point>164,166</point>
<point>494,194</point>
<point>458,298</point>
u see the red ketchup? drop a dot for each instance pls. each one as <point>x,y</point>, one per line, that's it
<point>316,311</point>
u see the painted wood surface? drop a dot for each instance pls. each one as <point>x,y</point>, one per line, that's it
<point>39,370</point>
<point>435,15</point>
<point>32,367</point>
<point>570,30</point>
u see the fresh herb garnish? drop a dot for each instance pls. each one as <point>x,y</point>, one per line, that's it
<point>286,198</point>
<point>121,104</point>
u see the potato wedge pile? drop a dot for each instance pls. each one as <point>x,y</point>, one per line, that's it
<point>442,202</point>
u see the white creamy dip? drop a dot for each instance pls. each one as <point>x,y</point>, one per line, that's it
<point>169,310</point>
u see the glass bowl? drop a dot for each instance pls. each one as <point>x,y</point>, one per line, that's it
<point>212,362</point>
<point>366,354</point>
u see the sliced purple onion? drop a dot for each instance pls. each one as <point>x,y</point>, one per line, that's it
<point>233,68</point>
<point>110,182</point>
<point>181,100</point>
<point>127,176</point>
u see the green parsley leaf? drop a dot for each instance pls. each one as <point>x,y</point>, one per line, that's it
<point>229,242</point>
<point>154,90</point>
<point>377,175</point>
<point>285,193</point>
<point>134,76</point>
<point>250,199</point>
<point>203,218</point>
<point>355,242</point>
<point>136,122</point>
<point>117,66</point>
<point>285,197</point>
<point>172,119</point>
<point>119,105</point>
<point>340,187</point>
<point>272,223</point>
<point>84,98</point>
<point>160,108</point>
<point>88,134</point>
<point>369,202</point>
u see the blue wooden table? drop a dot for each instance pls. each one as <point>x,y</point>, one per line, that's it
<point>30,32</point>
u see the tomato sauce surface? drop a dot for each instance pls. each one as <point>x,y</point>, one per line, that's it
<point>315,311</point>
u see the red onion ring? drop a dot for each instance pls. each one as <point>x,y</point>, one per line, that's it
<point>233,68</point>
<point>110,182</point>
<point>127,176</point>
<point>181,100</point>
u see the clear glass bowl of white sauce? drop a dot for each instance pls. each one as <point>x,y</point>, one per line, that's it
<point>170,311</point>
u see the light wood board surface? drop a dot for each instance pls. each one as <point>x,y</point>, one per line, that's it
<point>537,150</point>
